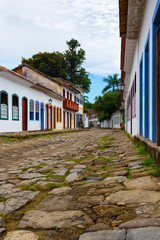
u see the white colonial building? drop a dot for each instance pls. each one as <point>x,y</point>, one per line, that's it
<point>114,122</point>
<point>30,101</point>
<point>140,66</point>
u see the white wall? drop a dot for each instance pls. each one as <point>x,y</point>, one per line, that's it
<point>112,123</point>
<point>11,86</point>
<point>139,50</point>
<point>86,120</point>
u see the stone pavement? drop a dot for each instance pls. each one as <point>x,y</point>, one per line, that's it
<point>88,185</point>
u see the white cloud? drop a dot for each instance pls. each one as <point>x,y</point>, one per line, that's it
<point>28,27</point>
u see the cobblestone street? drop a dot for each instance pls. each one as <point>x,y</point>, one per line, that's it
<point>86,185</point>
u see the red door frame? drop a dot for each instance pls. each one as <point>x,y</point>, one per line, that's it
<point>47,116</point>
<point>158,85</point>
<point>70,120</point>
<point>24,114</point>
<point>131,106</point>
<point>64,120</point>
<point>51,116</point>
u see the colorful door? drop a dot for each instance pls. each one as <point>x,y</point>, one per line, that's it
<point>158,87</point>
<point>131,107</point>
<point>42,116</point>
<point>74,121</point>
<point>47,116</point>
<point>54,117</point>
<point>24,114</point>
<point>146,93</point>
<point>141,98</point>
<point>70,120</point>
<point>67,119</point>
<point>50,117</point>
<point>77,120</point>
<point>64,120</point>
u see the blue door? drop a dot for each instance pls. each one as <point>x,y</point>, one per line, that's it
<point>146,93</point>
<point>78,118</point>
<point>141,98</point>
<point>42,116</point>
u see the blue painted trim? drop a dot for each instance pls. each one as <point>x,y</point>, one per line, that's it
<point>155,12</point>
<point>42,115</point>
<point>3,91</point>
<point>155,23</point>
<point>147,88</point>
<point>31,100</point>
<point>141,96</point>
<point>26,113</point>
<point>15,95</point>
<point>36,112</point>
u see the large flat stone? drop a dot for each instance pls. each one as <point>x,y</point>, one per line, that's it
<point>71,177</point>
<point>54,203</point>
<point>61,190</point>
<point>142,183</point>
<point>104,235</point>
<point>21,235</point>
<point>60,172</point>
<point>26,176</point>
<point>116,178</point>
<point>79,167</point>
<point>8,190</point>
<point>149,233</point>
<point>138,223</point>
<point>49,220</point>
<point>11,205</point>
<point>134,196</point>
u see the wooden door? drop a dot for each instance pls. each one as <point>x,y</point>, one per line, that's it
<point>70,120</point>
<point>64,120</point>
<point>131,106</point>
<point>54,117</point>
<point>74,121</point>
<point>24,114</point>
<point>67,119</point>
<point>47,116</point>
<point>42,116</point>
<point>51,117</point>
<point>158,86</point>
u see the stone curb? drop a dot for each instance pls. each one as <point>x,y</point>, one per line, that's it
<point>147,233</point>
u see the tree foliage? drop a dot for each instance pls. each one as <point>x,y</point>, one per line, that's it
<point>112,83</point>
<point>107,104</point>
<point>75,57</point>
<point>67,65</point>
<point>51,64</point>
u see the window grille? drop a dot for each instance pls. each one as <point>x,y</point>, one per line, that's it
<point>37,111</point>
<point>4,105</point>
<point>31,106</point>
<point>15,108</point>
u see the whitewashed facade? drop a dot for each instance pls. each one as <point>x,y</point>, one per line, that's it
<point>86,120</point>
<point>31,101</point>
<point>138,66</point>
<point>114,122</point>
<point>13,84</point>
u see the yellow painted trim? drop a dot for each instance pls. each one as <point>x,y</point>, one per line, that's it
<point>57,115</point>
<point>60,114</point>
<point>81,108</point>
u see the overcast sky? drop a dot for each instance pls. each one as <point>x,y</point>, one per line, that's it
<point>31,26</point>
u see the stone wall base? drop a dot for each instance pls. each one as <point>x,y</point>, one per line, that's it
<point>151,148</point>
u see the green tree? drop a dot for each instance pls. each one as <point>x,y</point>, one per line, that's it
<point>107,104</point>
<point>112,83</point>
<point>75,57</point>
<point>52,64</point>
<point>67,65</point>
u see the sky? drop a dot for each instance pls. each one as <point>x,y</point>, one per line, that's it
<point>31,26</point>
